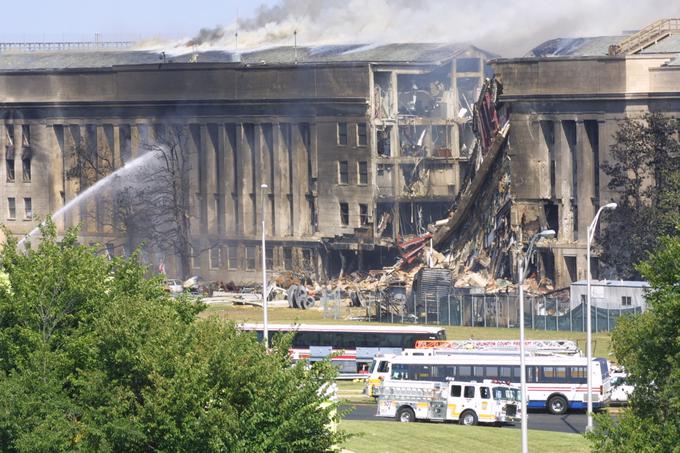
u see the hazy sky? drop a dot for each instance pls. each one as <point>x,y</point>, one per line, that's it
<point>507,27</point>
<point>117,19</point>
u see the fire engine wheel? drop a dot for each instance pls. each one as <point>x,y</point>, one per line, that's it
<point>557,405</point>
<point>468,418</point>
<point>406,415</point>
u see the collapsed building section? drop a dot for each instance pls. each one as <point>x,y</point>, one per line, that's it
<point>359,147</point>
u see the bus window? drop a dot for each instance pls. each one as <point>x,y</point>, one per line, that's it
<point>469,391</point>
<point>399,371</point>
<point>491,371</point>
<point>532,373</point>
<point>421,372</point>
<point>464,372</point>
<point>455,391</point>
<point>443,372</point>
<point>577,374</point>
<point>506,372</point>
<point>553,373</point>
<point>485,393</point>
<point>345,340</point>
<point>478,371</point>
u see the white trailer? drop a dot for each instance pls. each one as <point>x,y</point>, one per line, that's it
<point>468,403</point>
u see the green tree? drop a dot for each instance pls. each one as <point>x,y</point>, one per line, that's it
<point>94,357</point>
<point>648,346</point>
<point>645,172</point>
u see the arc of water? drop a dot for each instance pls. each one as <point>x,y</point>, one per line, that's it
<point>135,164</point>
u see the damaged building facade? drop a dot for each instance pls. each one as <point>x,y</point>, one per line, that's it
<point>358,145</point>
<point>566,100</point>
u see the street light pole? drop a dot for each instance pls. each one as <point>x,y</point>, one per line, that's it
<point>589,336</point>
<point>264,187</point>
<point>522,263</point>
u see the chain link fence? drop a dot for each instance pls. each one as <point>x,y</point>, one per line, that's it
<point>477,310</point>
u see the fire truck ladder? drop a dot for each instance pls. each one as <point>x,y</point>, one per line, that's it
<point>646,37</point>
<point>534,347</point>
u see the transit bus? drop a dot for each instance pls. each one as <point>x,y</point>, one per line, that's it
<point>555,383</point>
<point>355,345</point>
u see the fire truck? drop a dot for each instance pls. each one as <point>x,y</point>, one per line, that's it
<point>468,403</point>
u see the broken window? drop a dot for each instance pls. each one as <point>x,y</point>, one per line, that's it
<point>269,258</point>
<point>215,257</point>
<point>307,259</point>
<point>344,214</point>
<point>384,142</point>
<point>251,258</point>
<point>288,259</point>
<point>9,155</point>
<point>11,208</point>
<point>570,264</point>
<point>412,139</point>
<point>342,133</point>
<point>441,141</point>
<point>110,250</point>
<point>232,257</point>
<point>363,172</point>
<point>343,172</point>
<point>362,135</point>
<point>28,209</point>
<point>363,214</point>
<point>26,153</point>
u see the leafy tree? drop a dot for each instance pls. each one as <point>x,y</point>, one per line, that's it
<point>648,346</point>
<point>645,172</point>
<point>94,357</point>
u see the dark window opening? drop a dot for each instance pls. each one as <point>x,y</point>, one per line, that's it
<point>363,214</point>
<point>363,172</point>
<point>469,391</point>
<point>10,170</point>
<point>251,258</point>
<point>28,209</point>
<point>344,214</point>
<point>343,172</point>
<point>342,133</point>
<point>626,301</point>
<point>468,64</point>
<point>384,144</point>
<point>269,258</point>
<point>232,257</point>
<point>288,259</point>
<point>11,208</point>
<point>215,258</point>
<point>362,135</point>
<point>570,264</point>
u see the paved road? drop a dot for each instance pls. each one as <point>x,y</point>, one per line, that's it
<point>569,423</point>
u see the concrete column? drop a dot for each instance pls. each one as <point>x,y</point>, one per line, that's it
<point>210,175</point>
<point>299,177</point>
<point>586,186</point>
<point>259,176</point>
<point>117,163</point>
<point>55,169</point>
<point>245,181</point>
<point>71,141</point>
<point>281,185</point>
<point>105,145</point>
<point>564,182</point>
<point>227,143</point>
<point>135,140</point>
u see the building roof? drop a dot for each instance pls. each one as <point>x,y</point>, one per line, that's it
<point>422,53</point>
<point>613,283</point>
<point>598,46</point>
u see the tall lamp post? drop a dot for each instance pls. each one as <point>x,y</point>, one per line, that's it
<point>589,335</point>
<point>522,364</point>
<point>263,188</point>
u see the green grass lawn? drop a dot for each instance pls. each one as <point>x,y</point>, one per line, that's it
<point>394,437</point>
<point>246,313</point>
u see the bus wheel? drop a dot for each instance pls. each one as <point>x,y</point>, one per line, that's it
<point>557,405</point>
<point>406,415</point>
<point>468,418</point>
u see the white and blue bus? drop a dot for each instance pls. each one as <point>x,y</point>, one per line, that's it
<point>555,383</point>
<point>354,346</point>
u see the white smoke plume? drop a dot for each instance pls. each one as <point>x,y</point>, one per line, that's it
<point>507,27</point>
